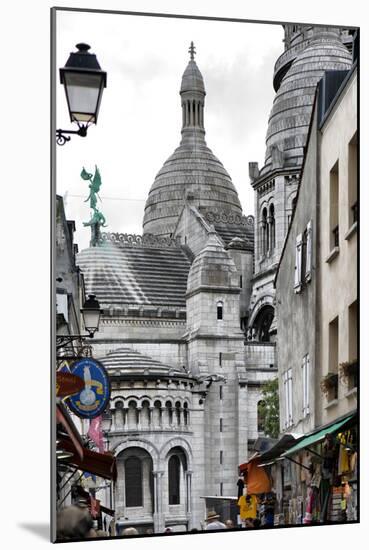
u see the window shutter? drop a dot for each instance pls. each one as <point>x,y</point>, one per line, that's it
<point>307,367</point>
<point>309,248</point>
<point>285,387</point>
<point>304,386</point>
<point>298,264</point>
<point>289,381</point>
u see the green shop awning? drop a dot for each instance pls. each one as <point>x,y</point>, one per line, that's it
<point>317,437</point>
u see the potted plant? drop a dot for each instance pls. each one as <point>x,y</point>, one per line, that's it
<point>329,382</point>
<point>348,372</point>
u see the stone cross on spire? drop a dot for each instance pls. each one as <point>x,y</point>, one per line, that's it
<point>192,51</point>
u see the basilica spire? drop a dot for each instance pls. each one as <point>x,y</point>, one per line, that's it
<point>193,97</point>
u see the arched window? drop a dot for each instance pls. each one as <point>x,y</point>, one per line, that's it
<point>271,228</point>
<point>261,416</point>
<point>263,323</point>
<point>264,232</point>
<point>220,311</point>
<point>178,412</point>
<point>133,481</point>
<point>174,472</point>
<point>169,409</point>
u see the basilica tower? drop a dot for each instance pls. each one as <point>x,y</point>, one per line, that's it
<point>309,52</point>
<point>192,171</point>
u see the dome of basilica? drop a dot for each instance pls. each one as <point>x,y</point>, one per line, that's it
<point>192,171</point>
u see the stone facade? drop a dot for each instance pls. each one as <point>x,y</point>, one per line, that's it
<point>338,254</point>
<point>296,302</point>
<point>316,292</point>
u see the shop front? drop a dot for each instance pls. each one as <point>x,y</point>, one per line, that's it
<point>323,476</point>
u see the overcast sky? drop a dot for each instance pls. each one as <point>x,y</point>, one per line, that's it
<point>140,117</point>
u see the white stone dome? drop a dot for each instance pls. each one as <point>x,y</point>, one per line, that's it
<point>192,169</point>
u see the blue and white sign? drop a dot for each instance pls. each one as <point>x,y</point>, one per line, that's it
<point>95,396</point>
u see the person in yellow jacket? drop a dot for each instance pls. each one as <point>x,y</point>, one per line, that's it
<point>248,506</point>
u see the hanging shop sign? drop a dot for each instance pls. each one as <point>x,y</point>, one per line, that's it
<point>93,399</point>
<point>68,384</point>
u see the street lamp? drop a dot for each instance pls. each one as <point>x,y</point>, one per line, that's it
<point>91,313</point>
<point>84,83</point>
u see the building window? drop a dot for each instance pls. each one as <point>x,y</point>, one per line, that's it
<point>306,385</point>
<point>220,359</point>
<point>185,413</point>
<point>264,233</point>
<point>334,206</point>
<point>221,489</point>
<point>240,281</point>
<point>352,326</point>
<point>220,392</point>
<point>333,335</point>
<point>221,424</point>
<point>133,482</point>
<point>219,311</point>
<point>221,457</point>
<point>174,469</point>
<point>271,227</point>
<point>352,330</point>
<point>287,385</point>
<point>352,180</point>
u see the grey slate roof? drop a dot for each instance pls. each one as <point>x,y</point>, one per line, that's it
<point>126,360</point>
<point>135,275</point>
<point>229,232</point>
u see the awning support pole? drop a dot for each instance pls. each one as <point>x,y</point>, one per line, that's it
<point>313,452</point>
<point>298,463</point>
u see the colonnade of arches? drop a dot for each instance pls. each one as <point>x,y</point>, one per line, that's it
<point>133,414</point>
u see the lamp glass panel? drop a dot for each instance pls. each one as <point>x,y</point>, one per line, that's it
<point>83,95</point>
<point>91,318</point>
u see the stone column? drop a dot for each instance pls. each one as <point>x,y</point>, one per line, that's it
<point>189,515</point>
<point>158,502</point>
<point>264,230</point>
<point>113,422</point>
